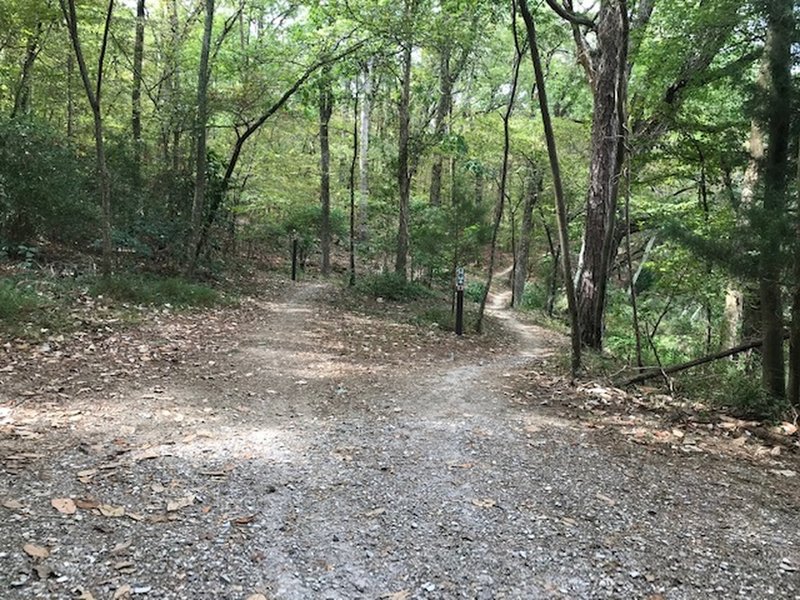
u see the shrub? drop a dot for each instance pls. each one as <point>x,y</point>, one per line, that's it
<point>391,287</point>
<point>137,289</point>
<point>474,291</point>
<point>45,186</point>
<point>16,302</point>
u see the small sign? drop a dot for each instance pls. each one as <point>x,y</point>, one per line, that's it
<point>460,278</point>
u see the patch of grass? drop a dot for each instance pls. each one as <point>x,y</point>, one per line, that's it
<point>17,302</point>
<point>148,290</point>
<point>391,286</point>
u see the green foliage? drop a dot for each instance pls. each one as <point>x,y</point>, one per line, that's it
<point>44,187</point>
<point>391,286</point>
<point>149,290</point>
<point>474,291</point>
<point>17,302</point>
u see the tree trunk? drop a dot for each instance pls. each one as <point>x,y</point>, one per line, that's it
<point>780,26</point>
<point>325,111</point>
<point>363,157</point>
<point>403,175</point>
<point>22,98</point>
<point>561,205</point>
<point>440,122</point>
<point>521,271</point>
<point>70,98</point>
<point>601,203</point>
<point>94,95</point>
<point>201,121</point>
<point>352,280</point>
<point>136,94</point>
<point>794,331</point>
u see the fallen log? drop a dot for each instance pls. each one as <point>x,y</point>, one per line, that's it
<point>651,372</point>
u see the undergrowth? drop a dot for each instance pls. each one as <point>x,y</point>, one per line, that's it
<point>393,287</point>
<point>149,290</point>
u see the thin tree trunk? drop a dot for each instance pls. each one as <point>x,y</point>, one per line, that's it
<point>403,176</point>
<point>136,94</point>
<point>201,121</point>
<point>521,271</point>
<point>356,124</point>
<point>501,196</point>
<point>70,98</point>
<point>363,158</point>
<point>440,121</point>
<point>94,95</point>
<point>325,111</point>
<point>637,332</point>
<point>794,335</point>
<point>22,98</point>
<point>561,206</point>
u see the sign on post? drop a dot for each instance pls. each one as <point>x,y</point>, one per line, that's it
<point>461,279</point>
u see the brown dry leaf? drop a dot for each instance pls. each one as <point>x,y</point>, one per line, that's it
<point>179,503</point>
<point>786,428</point>
<point>66,506</point>
<point>35,551</point>
<point>134,516</point>
<point>608,500</point>
<point>86,475</point>
<point>121,548</point>
<point>244,520</point>
<point>401,595</point>
<point>375,512</point>
<point>783,472</point>
<point>484,502</point>
<point>467,465</point>
<point>107,510</point>
<point>256,597</point>
<point>85,595</point>
<point>86,503</point>
<point>12,504</point>
<point>124,591</point>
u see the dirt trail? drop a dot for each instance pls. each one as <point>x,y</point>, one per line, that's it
<point>295,466</point>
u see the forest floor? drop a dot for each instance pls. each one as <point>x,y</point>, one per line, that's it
<point>302,447</point>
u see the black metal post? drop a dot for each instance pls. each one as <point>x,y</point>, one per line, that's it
<point>294,259</point>
<point>459,312</point>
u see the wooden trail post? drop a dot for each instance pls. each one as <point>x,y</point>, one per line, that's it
<point>460,280</point>
<point>294,259</point>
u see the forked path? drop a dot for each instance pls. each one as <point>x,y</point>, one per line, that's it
<point>316,460</point>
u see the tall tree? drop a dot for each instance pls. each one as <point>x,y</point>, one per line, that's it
<point>777,87</point>
<point>136,94</point>
<point>363,152</point>
<point>403,172</point>
<point>533,186</point>
<point>558,188</point>
<point>519,51</point>
<point>201,123</point>
<point>94,96</point>
<point>325,112</point>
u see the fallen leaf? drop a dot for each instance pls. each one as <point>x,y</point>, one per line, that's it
<point>107,510</point>
<point>121,548</point>
<point>256,597</point>
<point>401,595</point>
<point>66,506</point>
<point>86,475</point>
<point>569,521</point>
<point>484,502</point>
<point>375,513</point>
<point>606,499</point>
<point>179,503</point>
<point>786,428</point>
<point>124,591</point>
<point>783,472</point>
<point>86,503</point>
<point>36,551</point>
<point>12,504</point>
<point>43,571</point>
<point>467,465</point>
<point>85,595</point>
<point>244,520</point>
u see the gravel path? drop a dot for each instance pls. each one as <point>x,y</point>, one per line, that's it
<point>285,468</point>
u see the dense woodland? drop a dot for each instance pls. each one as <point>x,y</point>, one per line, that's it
<point>637,162</point>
